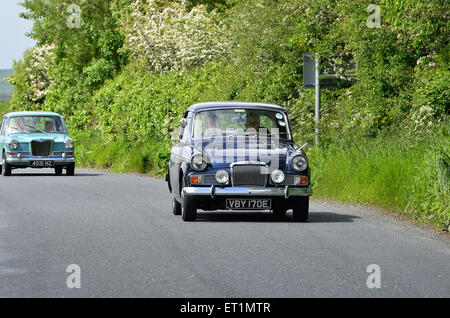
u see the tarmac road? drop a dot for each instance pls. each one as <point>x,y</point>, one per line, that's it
<point>121,232</point>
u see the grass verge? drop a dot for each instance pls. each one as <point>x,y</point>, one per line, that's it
<point>121,156</point>
<point>408,175</point>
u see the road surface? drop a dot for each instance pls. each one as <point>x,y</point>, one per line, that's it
<point>120,231</point>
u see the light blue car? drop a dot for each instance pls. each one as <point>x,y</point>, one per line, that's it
<point>35,140</point>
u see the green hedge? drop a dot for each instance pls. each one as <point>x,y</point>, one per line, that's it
<point>408,175</point>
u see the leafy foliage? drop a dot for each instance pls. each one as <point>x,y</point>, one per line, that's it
<point>125,77</point>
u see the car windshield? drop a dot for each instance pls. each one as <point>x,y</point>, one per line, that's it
<point>240,121</point>
<point>35,124</point>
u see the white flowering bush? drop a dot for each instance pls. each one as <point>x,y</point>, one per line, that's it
<point>37,62</point>
<point>422,118</point>
<point>172,37</point>
<point>42,57</point>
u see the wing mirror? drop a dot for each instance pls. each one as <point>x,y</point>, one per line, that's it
<point>183,122</point>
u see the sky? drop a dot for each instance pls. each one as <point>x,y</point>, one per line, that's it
<point>13,41</point>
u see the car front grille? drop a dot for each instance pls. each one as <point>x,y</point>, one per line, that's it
<point>41,148</point>
<point>210,179</point>
<point>248,175</point>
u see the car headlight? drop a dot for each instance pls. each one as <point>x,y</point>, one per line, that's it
<point>299,162</point>
<point>199,162</point>
<point>222,176</point>
<point>13,145</point>
<point>277,176</point>
<point>68,143</point>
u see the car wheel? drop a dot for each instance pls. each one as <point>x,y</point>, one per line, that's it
<point>58,170</point>
<point>70,169</point>
<point>6,167</point>
<point>189,210</point>
<point>301,209</point>
<point>176,207</point>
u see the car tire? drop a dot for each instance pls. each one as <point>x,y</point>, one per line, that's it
<point>189,209</point>
<point>176,207</point>
<point>6,167</point>
<point>70,169</point>
<point>58,170</point>
<point>301,209</point>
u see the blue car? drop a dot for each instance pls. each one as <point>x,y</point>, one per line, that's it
<point>238,156</point>
<point>35,140</point>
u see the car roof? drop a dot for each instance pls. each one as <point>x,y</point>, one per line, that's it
<point>31,113</point>
<point>221,105</point>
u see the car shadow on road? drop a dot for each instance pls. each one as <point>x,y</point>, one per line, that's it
<point>314,217</point>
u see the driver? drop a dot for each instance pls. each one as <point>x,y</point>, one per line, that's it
<point>48,126</point>
<point>252,122</point>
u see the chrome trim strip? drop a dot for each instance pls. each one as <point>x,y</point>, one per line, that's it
<point>246,191</point>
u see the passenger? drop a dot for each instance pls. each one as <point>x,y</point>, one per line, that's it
<point>212,126</point>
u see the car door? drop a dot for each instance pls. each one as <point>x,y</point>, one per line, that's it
<point>179,154</point>
<point>2,136</point>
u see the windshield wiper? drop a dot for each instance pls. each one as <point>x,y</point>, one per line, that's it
<point>36,128</point>
<point>22,130</point>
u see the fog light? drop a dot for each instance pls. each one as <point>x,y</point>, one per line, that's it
<point>277,176</point>
<point>222,176</point>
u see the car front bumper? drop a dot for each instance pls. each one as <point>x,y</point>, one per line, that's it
<point>279,192</point>
<point>25,162</point>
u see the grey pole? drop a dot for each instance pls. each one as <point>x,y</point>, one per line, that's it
<point>317,88</point>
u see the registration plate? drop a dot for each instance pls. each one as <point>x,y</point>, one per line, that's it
<point>249,204</point>
<point>42,163</point>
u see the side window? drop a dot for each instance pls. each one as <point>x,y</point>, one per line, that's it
<point>268,122</point>
<point>184,132</point>
<point>180,137</point>
<point>2,126</point>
